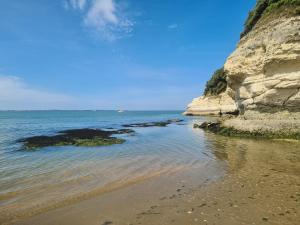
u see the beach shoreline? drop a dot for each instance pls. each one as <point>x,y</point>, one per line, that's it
<point>259,187</point>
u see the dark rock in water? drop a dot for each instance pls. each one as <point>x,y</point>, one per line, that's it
<point>213,127</point>
<point>76,137</point>
<point>218,128</point>
<point>91,133</point>
<point>123,131</point>
<point>43,141</point>
<point>88,137</point>
<point>175,121</point>
<point>86,133</point>
<point>208,125</point>
<point>154,124</point>
<point>201,126</point>
<point>196,126</point>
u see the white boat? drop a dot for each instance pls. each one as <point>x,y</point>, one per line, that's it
<point>120,111</point>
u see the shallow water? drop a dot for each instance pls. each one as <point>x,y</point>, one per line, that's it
<point>34,181</point>
<point>30,180</point>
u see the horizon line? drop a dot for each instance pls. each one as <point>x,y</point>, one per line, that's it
<point>128,110</point>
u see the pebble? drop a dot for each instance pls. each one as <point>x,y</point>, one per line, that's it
<point>191,211</point>
<point>107,223</point>
<point>265,219</point>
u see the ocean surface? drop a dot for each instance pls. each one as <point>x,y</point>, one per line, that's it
<point>30,180</point>
<point>33,181</point>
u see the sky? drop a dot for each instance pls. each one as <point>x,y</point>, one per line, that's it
<point>113,54</point>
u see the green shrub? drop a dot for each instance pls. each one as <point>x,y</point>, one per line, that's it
<point>217,84</point>
<point>255,15</point>
<point>267,6</point>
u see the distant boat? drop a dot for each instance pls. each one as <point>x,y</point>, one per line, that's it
<point>120,111</point>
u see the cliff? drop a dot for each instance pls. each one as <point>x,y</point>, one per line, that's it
<point>263,73</point>
<point>212,105</point>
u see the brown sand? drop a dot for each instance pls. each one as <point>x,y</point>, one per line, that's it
<point>261,186</point>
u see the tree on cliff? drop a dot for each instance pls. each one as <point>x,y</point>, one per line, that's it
<point>217,84</point>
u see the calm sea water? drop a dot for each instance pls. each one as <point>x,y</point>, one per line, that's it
<point>35,180</point>
<point>31,179</point>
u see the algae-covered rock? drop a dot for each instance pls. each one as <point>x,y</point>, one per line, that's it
<point>220,129</point>
<point>76,137</point>
<point>154,124</point>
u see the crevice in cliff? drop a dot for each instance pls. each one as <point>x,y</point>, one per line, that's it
<point>292,95</point>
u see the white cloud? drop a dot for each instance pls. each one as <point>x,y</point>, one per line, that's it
<point>81,4</point>
<point>16,94</point>
<point>102,12</point>
<point>173,26</point>
<point>105,16</point>
<point>75,4</point>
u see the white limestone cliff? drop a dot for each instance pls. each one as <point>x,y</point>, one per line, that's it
<point>263,73</point>
<point>212,105</point>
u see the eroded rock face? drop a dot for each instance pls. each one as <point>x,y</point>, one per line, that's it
<point>212,105</point>
<point>264,71</point>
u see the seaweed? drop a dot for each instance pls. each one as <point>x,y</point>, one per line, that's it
<point>76,137</point>
<point>218,128</point>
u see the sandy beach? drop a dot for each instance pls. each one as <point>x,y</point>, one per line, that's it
<point>150,112</point>
<point>261,186</point>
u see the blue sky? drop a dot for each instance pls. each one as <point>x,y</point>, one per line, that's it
<point>113,54</point>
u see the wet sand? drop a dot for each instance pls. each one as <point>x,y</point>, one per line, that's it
<point>260,185</point>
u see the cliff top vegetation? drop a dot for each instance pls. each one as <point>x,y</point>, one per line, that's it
<point>266,7</point>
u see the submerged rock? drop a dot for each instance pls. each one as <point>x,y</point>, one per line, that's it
<point>76,137</point>
<point>154,124</point>
<point>201,126</point>
<point>211,126</point>
<point>89,137</point>
<point>220,129</point>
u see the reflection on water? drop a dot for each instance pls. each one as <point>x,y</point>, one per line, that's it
<point>34,181</point>
<point>282,156</point>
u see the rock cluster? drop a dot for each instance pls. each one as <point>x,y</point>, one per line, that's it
<point>87,137</point>
<point>77,137</point>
